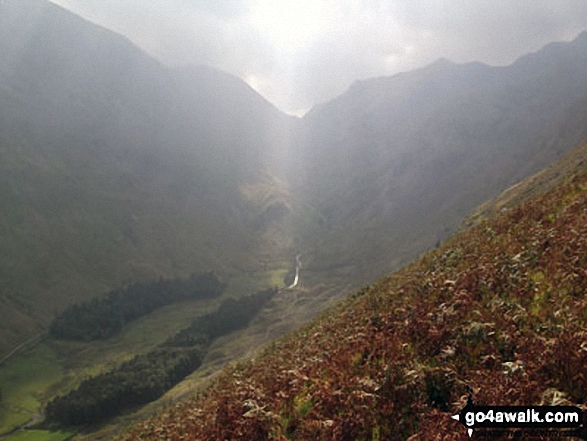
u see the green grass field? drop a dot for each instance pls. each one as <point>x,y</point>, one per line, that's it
<point>40,435</point>
<point>24,382</point>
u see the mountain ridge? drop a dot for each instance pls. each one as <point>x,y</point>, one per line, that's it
<point>454,133</point>
<point>444,63</point>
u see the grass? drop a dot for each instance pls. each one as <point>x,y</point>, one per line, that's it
<point>275,277</point>
<point>40,435</point>
<point>24,382</point>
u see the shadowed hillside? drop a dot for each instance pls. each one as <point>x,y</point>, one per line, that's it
<point>115,168</point>
<point>395,163</point>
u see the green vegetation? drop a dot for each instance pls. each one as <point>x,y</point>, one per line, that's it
<point>232,314</point>
<point>138,381</point>
<point>24,383</point>
<point>104,317</point>
<point>148,376</point>
<point>40,435</point>
<point>101,195</point>
<point>499,309</point>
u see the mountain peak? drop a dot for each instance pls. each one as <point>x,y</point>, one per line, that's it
<point>581,38</point>
<point>442,62</point>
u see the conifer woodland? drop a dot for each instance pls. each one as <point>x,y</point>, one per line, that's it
<point>148,376</point>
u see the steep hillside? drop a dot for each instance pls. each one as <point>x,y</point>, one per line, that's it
<point>395,163</point>
<point>115,168</point>
<point>500,309</point>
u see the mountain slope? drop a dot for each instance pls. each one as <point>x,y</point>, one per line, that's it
<point>395,163</point>
<point>115,168</point>
<point>499,309</point>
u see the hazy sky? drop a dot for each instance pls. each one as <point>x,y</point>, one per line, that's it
<point>299,53</point>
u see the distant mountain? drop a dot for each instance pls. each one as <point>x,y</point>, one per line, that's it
<point>395,163</point>
<point>115,168</point>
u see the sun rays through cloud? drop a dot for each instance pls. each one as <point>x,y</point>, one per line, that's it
<point>292,26</point>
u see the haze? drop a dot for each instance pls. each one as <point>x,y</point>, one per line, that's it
<point>298,54</point>
<point>162,219</point>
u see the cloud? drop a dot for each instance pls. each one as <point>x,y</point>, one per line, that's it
<point>492,31</point>
<point>302,55</point>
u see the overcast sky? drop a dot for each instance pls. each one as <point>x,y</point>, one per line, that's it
<point>299,53</point>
